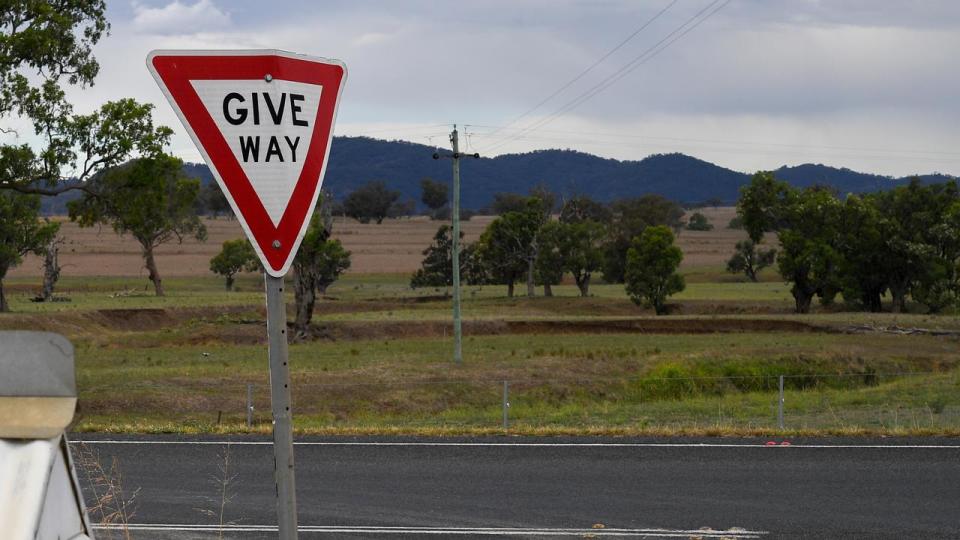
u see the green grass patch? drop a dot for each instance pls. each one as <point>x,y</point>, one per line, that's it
<point>556,382</point>
<point>180,362</point>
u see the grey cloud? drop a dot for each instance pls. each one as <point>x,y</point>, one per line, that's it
<point>881,72</point>
<point>180,17</point>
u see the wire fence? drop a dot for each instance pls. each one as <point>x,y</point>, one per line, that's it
<point>866,400</point>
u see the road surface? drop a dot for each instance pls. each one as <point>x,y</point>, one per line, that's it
<point>527,488</point>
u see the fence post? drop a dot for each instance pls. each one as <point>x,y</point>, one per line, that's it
<point>506,405</point>
<point>249,405</point>
<point>780,406</point>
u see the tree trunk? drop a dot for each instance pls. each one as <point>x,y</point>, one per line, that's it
<point>230,281</point>
<point>510,290</point>
<point>547,289</point>
<point>305,297</point>
<point>802,298</point>
<point>51,268</point>
<point>4,307</point>
<point>154,275</point>
<point>583,283</point>
<point>531,287</point>
<point>899,294</point>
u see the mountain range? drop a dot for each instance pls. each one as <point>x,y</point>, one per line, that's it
<point>357,160</point>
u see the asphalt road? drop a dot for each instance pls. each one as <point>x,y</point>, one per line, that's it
<point>520,487</point>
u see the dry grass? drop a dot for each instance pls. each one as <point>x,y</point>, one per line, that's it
<point>523,430</point>
<point>111,507</point>
<point>562,381</point>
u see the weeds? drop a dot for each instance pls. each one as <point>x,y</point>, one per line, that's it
<point>224,483</point>
<point>110,507</point>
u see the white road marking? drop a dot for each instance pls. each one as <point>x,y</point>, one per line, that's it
<point>528,445</point>
<point>476,531</point>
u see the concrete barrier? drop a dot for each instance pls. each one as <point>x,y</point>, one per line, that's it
<point>40,497</point>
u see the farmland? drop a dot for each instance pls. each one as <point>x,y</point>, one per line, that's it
<point>379,360</point>
<point>390,248</point>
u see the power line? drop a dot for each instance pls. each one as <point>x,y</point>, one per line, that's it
<point>637,61</point>
<point>595,64</point>
<point>677,33</point>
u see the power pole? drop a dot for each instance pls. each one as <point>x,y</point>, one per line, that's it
<point>455,249</point>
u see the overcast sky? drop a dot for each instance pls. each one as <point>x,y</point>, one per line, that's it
<point>872,85</point>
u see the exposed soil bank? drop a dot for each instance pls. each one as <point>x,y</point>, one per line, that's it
<point>406,329</point>
<point>245,325</point>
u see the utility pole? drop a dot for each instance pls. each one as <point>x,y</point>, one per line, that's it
<point>455,249</point>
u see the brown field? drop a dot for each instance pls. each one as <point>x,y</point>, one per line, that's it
<point>393,247</point>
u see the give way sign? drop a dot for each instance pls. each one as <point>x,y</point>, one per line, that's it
<point>263,121</point>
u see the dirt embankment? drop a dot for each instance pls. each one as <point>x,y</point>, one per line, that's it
<point>410,329</point>
<point>245,325</point>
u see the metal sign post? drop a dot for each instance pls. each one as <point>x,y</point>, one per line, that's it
<point>280,402</point>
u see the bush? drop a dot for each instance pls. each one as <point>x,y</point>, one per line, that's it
<point>651,269</point>
<point>699,222</point>
<point>235,256</point>
<point>371,201</point>
<point>674,380</point>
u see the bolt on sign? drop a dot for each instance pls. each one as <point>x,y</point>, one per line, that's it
<point>263,121</point>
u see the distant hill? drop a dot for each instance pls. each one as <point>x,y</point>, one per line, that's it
<point>357,160</point>
<point>845,180</point>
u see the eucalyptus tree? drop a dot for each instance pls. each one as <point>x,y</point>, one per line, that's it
<point>150,199</point>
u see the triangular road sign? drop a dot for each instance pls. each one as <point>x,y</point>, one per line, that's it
<point>263,121</point>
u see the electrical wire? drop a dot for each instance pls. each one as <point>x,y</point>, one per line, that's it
<point>679,32</point>
<point>594,65</point>
<point>641,59</point>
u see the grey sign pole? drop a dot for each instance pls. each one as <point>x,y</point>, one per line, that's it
<point>280,402</point>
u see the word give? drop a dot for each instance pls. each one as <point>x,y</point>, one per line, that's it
<point>238,109</point>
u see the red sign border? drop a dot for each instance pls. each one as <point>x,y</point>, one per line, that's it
<point>174,70</point>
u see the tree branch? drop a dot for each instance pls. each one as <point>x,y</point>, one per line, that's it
<point>51,192</point>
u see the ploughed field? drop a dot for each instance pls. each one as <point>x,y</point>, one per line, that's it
<point>395,246</point>
<point>379,357</point>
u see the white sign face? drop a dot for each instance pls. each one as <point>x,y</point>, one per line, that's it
<point>263,122</point>
<point>268,126</point>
